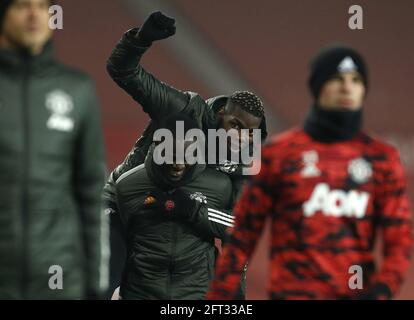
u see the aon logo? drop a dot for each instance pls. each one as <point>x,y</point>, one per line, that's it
<point>336,203</point>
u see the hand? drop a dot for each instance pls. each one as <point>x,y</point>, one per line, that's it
<point>185,207</point>
<point>157,26</point>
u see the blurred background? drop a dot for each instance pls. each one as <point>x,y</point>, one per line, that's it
<point>263,46</point>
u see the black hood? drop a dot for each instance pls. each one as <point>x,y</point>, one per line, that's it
<point>155,173</point>
<point>18,61</point>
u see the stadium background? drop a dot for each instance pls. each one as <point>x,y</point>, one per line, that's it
<point>259,45</point>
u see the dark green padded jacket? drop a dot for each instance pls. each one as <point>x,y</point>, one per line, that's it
<point>52,171</point>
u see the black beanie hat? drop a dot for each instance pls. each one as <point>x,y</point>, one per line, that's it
<point>331,60</point>
<point>4,5</point>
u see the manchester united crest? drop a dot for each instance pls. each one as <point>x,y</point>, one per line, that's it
<point>60,104</point>
<point>198,196</point>
<point>360,170</point>
<point>228,166</point>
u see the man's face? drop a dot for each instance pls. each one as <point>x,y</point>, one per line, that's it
<point>175,171</point>
<point>345,91</point>
<point>26,24</point>
<point>234,117</point>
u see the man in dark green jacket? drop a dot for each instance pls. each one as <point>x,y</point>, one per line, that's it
<point>241,110</point>
<point>52,166</point>
<point>171,214</point>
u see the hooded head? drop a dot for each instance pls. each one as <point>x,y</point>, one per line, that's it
<point>166,161</point>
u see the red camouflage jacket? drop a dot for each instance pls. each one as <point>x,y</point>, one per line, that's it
<point>326,203</point>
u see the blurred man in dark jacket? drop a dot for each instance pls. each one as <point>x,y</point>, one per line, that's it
<point>52,166</point>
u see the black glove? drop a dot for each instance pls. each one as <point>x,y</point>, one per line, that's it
<point>185,206</point>
<point>157,26</point>
<point>176,204</point>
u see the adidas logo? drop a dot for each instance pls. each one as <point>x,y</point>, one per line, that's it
<point>346,65</point>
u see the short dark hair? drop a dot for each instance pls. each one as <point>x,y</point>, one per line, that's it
<point>249,102</point>
<point>4,6</point>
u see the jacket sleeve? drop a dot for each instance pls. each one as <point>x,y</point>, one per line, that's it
<point>214,221</point>
<point>396,222</point>
<point>108,194</point>
<point>156,98</point>
<point>88,179</point>
<point>210,222</point>
<point>251,210</point>
<point>116,237</point>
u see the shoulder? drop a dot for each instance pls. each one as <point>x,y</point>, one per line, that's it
<point>213,174</point>
<point>216,182</point>
<point>131,178</point>
<point>74,74</point>
<point>77,84</point>
<point>275,152</point>
<point>285,141</point>
<point>80,88</point>
<point>194,99</point>
<point>377,147</point>
<point>217,185</point>
<point>287,136</point>
<point>384,157</point>
<point>195,107</point>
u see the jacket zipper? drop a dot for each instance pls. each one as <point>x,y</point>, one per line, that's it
<point>25,181</point>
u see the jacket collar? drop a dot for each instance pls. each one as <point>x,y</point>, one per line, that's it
<point>20,61</point>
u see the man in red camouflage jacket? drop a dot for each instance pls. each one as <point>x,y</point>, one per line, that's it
<point>328,189</point>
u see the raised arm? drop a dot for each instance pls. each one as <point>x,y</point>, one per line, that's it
<point>156,98</point>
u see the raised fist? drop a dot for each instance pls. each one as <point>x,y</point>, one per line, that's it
<point>157,26</point>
